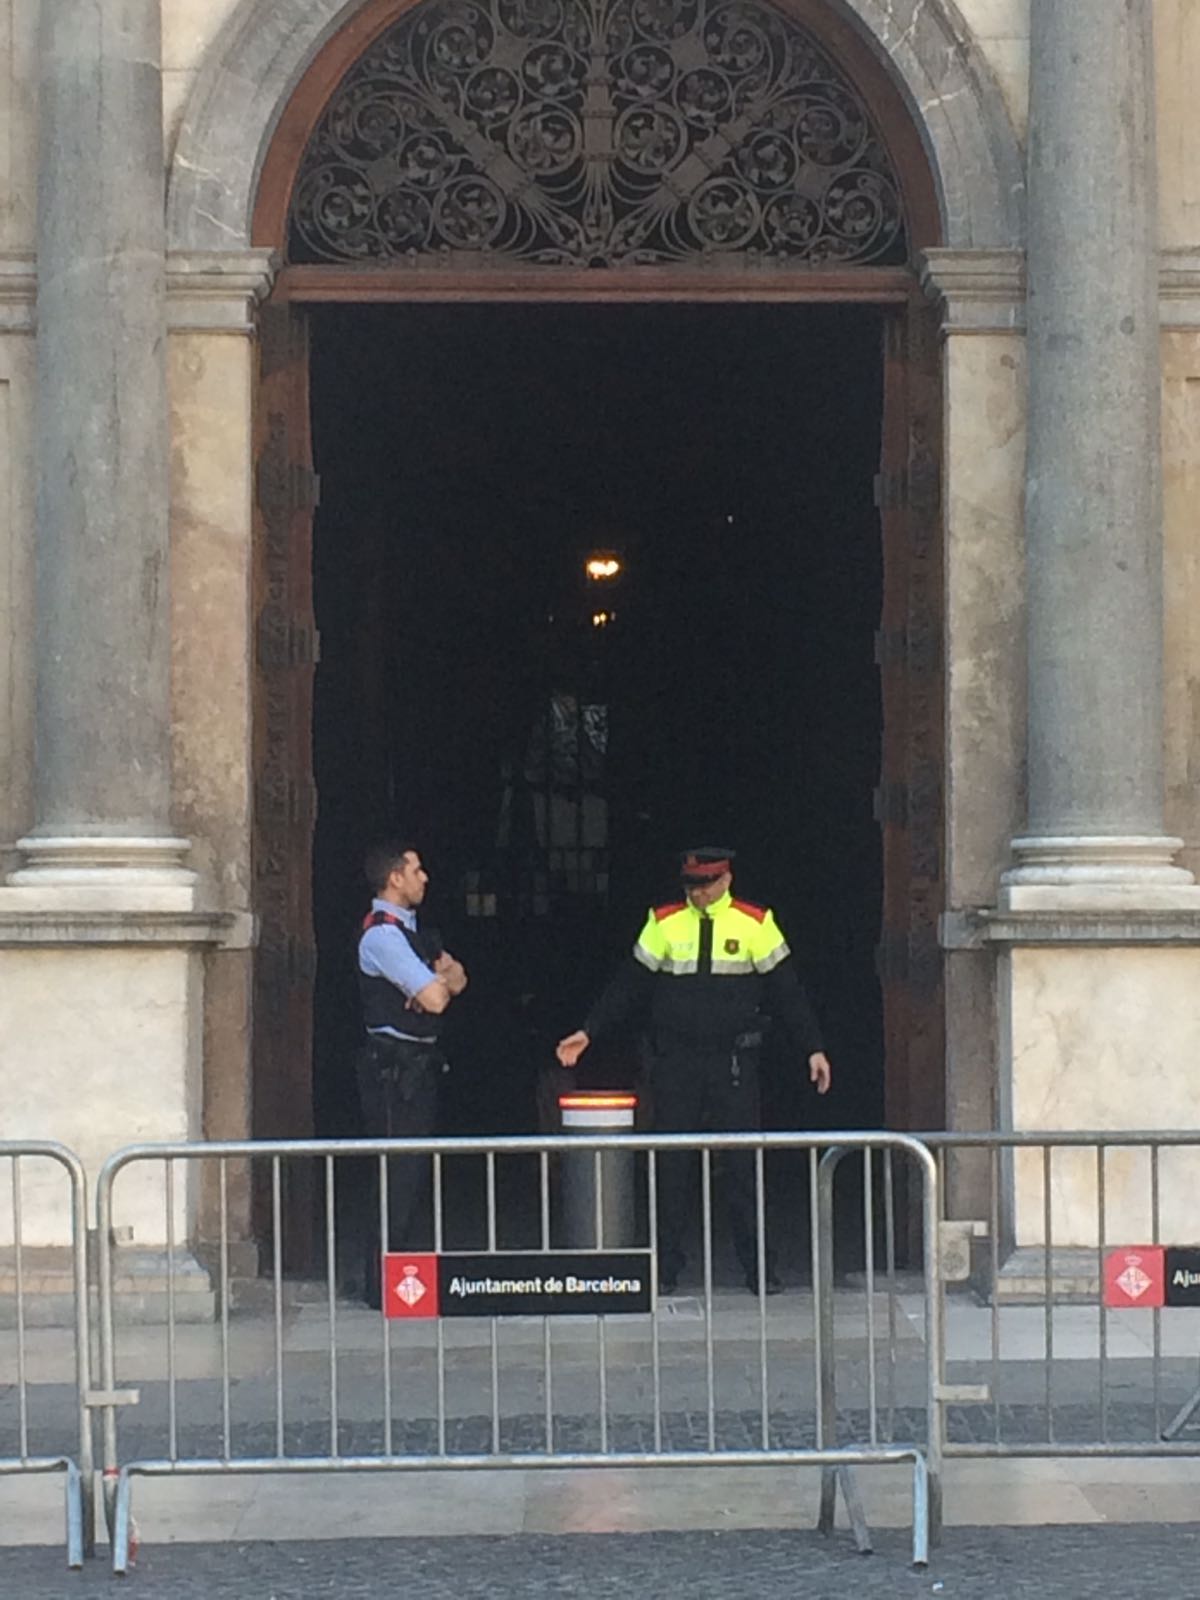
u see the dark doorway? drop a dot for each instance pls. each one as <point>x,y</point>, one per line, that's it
<point>723,689</point>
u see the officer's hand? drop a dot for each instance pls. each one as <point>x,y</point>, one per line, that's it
<point>820,1072</point>
<point>572,1047</point>
<point>452,972</point>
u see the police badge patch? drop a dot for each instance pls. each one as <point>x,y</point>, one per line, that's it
<point>731,947</point>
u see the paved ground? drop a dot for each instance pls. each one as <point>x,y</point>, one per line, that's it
<point>1065,1563</point>
<point>1054,1529</point>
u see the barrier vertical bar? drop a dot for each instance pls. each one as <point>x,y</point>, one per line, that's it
<point>889,1228</point>
<point>19,1274</point>
<point>83,1361</point>
<point>331,1285</point>
<point>277,1264</point>
<point>709,1364</point>
<point>1155,1239</point>
<point>547,1348</point>
<point>1102,1366</point>
<point>223,1272</point>
<point>935,1334</point>
<point>601,1334</point>
<point>869,1247</point>
<point>655,1351</point>
<point>439,1244</point>
<point>994,1285</point>
<point>386,1336</point>
<point>108,1359</point>
<point>491,1237</point>
<point>1048,1288</point>
<point>760,1238</point>
<point>172,1390</point>
<point>820,1226</point>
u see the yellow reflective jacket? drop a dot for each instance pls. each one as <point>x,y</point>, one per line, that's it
<point>745,938</point>
<point>706,978</point>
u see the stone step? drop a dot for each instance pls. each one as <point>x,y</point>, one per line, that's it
<point>140,1288</point>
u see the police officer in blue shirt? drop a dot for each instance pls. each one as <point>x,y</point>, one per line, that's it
<point>407,981</point>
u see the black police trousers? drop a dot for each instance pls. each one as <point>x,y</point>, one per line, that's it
<point>706,1091</point>
<point>398,1087</point>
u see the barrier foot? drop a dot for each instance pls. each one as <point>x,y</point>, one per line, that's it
<point>75,1520</point>
<point>109,1480</point>
<point>935,1507</point>
<point>121,1525</point>
<point>826,1515</point>
<point>1182,1417</point>
<point>921,1516</point>
<point>87,1500</point>
<point>831,1477</point>
<point>855,1511</point>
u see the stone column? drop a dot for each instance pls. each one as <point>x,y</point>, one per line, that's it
<point>102,940</point>
<point>1094,491</point>
<point>103,788</point>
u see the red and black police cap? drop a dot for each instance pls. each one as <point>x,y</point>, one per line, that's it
<point>698,867</point>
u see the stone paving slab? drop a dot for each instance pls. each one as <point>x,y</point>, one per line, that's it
<point>1063,1563</point>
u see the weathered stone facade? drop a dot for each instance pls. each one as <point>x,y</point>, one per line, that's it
<point>1072,815</point>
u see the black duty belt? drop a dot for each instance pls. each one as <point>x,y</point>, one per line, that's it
<point>673,1044</point>
<point>390,1052</point>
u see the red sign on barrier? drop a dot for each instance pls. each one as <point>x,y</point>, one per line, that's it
<point>410,1285</point>
<point>1135,1277</point>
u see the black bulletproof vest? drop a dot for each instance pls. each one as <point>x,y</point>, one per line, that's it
<point>383,1005</point>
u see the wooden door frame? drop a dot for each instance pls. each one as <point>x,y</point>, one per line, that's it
<point>911,793</point>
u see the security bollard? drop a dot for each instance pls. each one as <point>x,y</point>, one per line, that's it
<point>598,1185</point>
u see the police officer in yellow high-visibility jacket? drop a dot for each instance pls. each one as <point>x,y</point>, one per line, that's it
<point>708,966</point>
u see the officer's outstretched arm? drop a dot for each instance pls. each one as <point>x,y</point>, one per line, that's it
<point>625,995</point>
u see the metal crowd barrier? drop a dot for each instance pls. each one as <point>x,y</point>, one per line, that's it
<point>1057,1205</point>
<point>1036,1363</point>
<point>20,1426</point>
<point>707,1377</point>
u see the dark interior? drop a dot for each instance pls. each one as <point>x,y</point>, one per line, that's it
<point>471,458</point>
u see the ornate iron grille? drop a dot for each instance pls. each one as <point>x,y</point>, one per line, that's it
<point>596,133</point>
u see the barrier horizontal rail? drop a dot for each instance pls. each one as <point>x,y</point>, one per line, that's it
<point>604,1390</point>
<point>26,1457</point>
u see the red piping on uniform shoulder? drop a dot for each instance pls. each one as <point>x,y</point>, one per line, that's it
<point>669,911</point>
<point>759,913</point>
<point>376,919</point>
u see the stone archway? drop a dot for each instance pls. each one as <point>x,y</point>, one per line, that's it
<point>248,121</point>
<point>267,46</point>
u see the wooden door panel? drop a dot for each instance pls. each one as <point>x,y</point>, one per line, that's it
<point>284,799</point>
<point>909,651</point>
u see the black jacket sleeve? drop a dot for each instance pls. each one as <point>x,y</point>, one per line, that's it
<point>625,996</point>
<point>787,1000</point>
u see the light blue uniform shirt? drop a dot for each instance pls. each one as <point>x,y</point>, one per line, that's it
<point>384,952</point>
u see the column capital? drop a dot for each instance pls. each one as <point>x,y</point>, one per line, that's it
<point>979,291</point>
<point>218,291</point>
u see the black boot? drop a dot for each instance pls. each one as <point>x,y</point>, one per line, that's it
<point>772,1283</point>
<point>669,1268</point>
